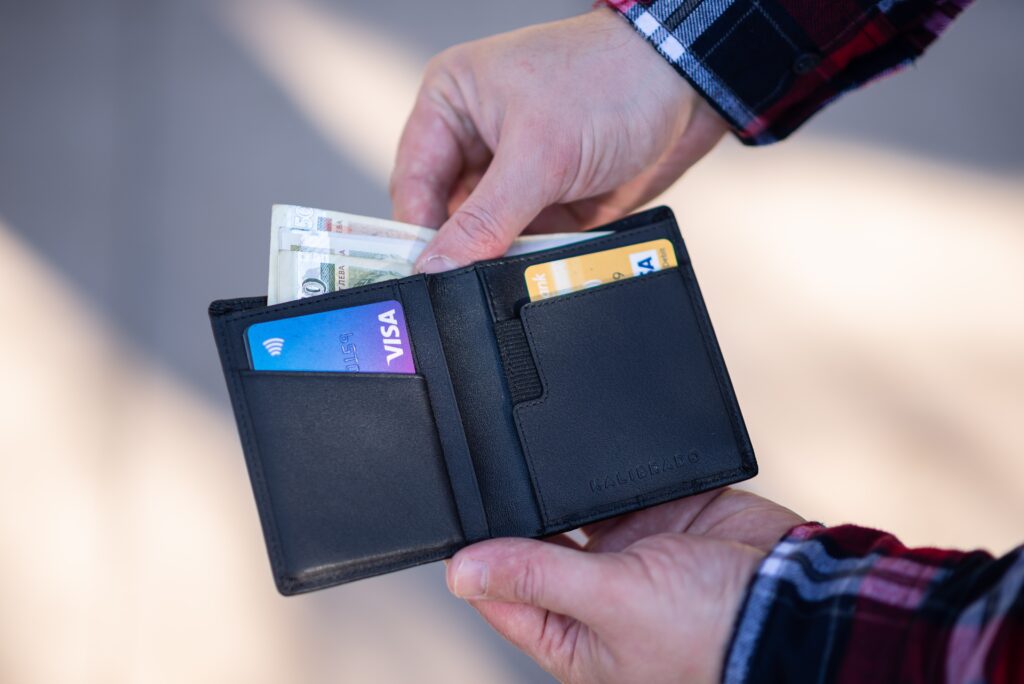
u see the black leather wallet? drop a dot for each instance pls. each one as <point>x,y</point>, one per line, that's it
<point>523,419</point>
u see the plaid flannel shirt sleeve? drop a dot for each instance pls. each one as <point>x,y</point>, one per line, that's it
<point>849,604</point>
<point>769,65</point>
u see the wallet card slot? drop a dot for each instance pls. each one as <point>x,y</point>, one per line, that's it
<point>464,323</point>
<point>349,474</point>
<point>520,369</point>
<point>231,318</point>
<point>636,408</point>
<point>505,278</point>
<point>431,362</point>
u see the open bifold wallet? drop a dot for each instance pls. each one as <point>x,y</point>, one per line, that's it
<point>522,418</point>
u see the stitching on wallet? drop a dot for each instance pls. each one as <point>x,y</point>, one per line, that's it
<point>528,451</point>
<point>718,363</point>
<point>654,497</point>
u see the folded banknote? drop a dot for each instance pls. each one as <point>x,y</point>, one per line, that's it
<point>314,251</point>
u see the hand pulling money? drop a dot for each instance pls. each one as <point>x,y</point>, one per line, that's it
<point>314,251</point>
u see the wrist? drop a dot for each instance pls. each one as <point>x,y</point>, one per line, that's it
<point>748,656</point>
<point>640,57</point>
<point>733,606</point>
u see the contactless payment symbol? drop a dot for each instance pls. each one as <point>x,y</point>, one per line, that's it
<point>274,345</point>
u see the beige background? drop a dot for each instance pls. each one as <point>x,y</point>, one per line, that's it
<point>865,280</point>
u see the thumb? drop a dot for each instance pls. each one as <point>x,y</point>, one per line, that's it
<point>547,576</point>
<point>511,193</point>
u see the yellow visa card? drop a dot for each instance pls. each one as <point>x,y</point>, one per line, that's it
<point>588,270</point>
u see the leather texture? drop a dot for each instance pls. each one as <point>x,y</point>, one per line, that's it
<point>524,418</point>
<point>649,425</point>
<point>352,468</point>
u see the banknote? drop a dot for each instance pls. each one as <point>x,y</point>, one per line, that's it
<point>315,251</point>
<point>363,246</point>
<point>307,274</point>
<point>310,219</point>
<point>335,236</point>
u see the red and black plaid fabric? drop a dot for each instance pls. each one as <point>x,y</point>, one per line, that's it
<point>853,605</point>
<point>768,65</point>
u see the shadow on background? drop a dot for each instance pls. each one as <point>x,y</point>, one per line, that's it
<point>864,279</point>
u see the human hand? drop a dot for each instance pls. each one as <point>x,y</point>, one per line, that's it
<point>652,597</point>
<point>555,127</point>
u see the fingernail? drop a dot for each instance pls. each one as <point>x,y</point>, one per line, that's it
<point>470,579</point>
<point>437,264</point>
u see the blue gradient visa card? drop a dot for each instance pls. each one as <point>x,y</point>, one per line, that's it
<point>371,338</point>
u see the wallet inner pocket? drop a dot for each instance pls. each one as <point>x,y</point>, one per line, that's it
<point>349,474</point>
<point>635,407</point>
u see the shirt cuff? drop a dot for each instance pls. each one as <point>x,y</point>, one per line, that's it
<point>769,65</point>
<point>841,603</point>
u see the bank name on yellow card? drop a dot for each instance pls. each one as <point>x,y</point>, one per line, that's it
<point>559,277</point>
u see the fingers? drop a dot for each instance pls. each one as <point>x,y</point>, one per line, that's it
<point>545,576</point>
<point>430,158</point>
<point>725,513</point>
<point>704,130</point>
<point>615,534</point>
<point>746,518</point>
<point>674,516</point>
<point>434,155</point>
<point>541,634</point>
<point>511,193</point>
<point>583,214</point>
<point>517,622</point>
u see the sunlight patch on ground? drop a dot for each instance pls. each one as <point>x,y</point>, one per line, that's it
<point>352,83</point>
<point>131,545</point>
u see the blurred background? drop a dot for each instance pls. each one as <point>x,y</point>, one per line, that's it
<point>866,280</point>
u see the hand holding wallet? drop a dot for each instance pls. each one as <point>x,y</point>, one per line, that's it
<point>524,418</point>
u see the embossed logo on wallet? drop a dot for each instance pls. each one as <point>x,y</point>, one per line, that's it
<point>642,471</point>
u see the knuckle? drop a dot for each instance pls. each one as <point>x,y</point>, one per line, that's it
<point>403,181</point>
<point>442,63</point>
<point>478,230</point>
<point>404,188</point>
<point>436,65</point>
